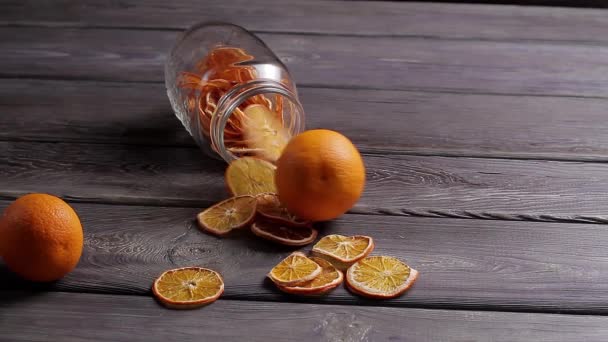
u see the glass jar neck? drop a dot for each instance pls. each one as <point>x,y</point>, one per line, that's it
<point>237,95</point>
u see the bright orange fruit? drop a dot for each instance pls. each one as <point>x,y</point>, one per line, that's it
<point>320,175</point>
<point>41,237</point>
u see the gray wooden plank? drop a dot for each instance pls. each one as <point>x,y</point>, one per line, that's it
<point>100,112</point>
<point>396,184</point>
<point>376,120</point>
<point>324,17</point>
<point>473,264</point>
<point>355,62</point>
<point>68,317</point>
<point>564,3</point>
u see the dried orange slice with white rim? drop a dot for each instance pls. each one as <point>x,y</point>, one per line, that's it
<point>270,207</point>
<point>380,277</point>
<point>233,213</point>
<point>328,280</point>
<point>188,287</point>
<point>297,268</point>
<point>264,131</point>
<point>250,176</point>
<point>285,235</point>
<point>343,251</point>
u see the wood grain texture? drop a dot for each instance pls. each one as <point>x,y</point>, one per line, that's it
<point>461,66</point>
<point>131,318</point>
<point>99,112</point>
<point>564,3</point>
<point>474,264</point>
<point>432,20</point>
<point>440,124</point>
<point>396,184</point>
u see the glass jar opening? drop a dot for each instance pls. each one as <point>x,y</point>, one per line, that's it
<point>279,98</point>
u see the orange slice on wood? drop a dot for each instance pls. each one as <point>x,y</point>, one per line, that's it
<point>283,234</point>
<point>380,277</point>
<point>297,268</point>
<point>250,176</point>
<point>188,287</point>
<point>227,215</point>
<point>343,251</point>
<point>270,208</point>
<point>328,280</point>
<point>264,131</point>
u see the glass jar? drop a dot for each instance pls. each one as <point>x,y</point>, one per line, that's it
<point>231,92</point>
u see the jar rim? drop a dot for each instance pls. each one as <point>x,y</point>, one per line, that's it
<point>237,95</point>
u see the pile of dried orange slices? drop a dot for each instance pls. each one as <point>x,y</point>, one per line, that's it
<point>380,277</point>
<point>256,205</point>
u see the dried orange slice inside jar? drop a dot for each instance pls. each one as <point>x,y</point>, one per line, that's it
<point>232,93</point>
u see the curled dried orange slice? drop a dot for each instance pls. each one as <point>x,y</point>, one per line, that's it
<point>227,215</point>
<point>297,268</point>
<point>328,280</point>
<point>380,277</point>
<point>343,251</point>
<point>188,287</point>
<point>264,131</point>
<point>250,176</point>
<point>286,235</point>
<point>270,208</point>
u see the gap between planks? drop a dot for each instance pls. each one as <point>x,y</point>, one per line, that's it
<point>426,186</point>
<point>422,152</point>
<point>378,211</point>
<point>319,34</point>
<point>481,66</point>
<point>300,299</point>
<point>373,18</point>
<point>42,77</point>
<point>136,319</point>
<point>498,266</point>
<point>146,111</point>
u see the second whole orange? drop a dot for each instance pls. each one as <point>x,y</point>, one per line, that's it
<point>320,175</point>
<point>41,238</point>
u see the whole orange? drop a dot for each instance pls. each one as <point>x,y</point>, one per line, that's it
<point>320,175</point>
<point>41,237</point>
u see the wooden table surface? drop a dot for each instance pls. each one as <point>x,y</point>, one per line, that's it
<point>483,128</point>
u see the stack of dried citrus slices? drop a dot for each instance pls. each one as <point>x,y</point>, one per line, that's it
<point>256,205</point>
<point>299,274</point>
<point>380,277</point>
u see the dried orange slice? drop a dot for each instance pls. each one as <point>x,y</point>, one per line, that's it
<point>328,280</point>
<point>227,215</point>
<point>286,235</point>
<point>297,268</point>
<point>250,176</point>
<point>380,277</point>
<point>264,131</point>
<point>188,287</point>
<point>343,251</point>
<point>270,207</point>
